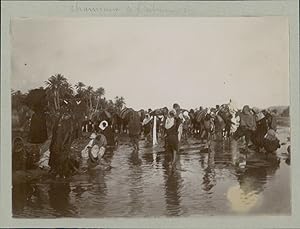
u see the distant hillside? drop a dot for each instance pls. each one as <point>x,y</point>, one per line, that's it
<point>280,110</point>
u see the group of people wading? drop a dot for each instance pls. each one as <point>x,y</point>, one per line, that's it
<point>171,127</point>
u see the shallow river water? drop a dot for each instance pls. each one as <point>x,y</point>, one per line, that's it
<point>215,182</point>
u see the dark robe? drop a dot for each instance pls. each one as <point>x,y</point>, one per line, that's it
<point>134,125</point>
<point>38,128</point>
<point>134,128</point>
<point>147,128</point>
<point>110,136</point>
<point>271,145</point>
<point>60,146</point>
<point>36,101</point>
<point>260,132</point>
<point>172,137</point>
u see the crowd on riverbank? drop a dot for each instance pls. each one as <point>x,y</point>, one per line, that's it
<point>172,126</point>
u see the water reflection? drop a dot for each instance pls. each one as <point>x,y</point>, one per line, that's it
<point>173,186</point>
<point>252,171</point>
<point>79,190</point>
<point>209,178</point>
<point>218,181</point>
<point>235,153</point>
<point>202,160</point>
<point>22,193</point>
<point>108,156</point>
<point>134,160</point>
<point>148,157</point>
<point>98,191</point>
<point>136,184</point>
<point>152,157</point>
<point>59,198</point>
<point>223,155</point>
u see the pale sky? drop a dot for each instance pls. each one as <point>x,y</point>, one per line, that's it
<point>154,62</point>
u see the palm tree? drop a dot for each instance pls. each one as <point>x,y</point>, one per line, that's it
<point>99,93</point>
<point>110,105</point>
<point>67,91</point>
<point>17,99</point>
<point>88,94</point>
<point>79,87</point>
<point>119,102</point>
<point>55,84</point>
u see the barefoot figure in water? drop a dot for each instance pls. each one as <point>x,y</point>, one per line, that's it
<point>171,125</point>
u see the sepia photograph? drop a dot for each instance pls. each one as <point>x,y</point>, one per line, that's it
<point>150,117</point>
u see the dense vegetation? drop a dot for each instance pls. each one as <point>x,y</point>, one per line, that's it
<point>58,89</point>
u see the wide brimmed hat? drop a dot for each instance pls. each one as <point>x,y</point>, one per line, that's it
<point>103,125</point>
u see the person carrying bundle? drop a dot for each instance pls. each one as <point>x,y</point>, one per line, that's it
<point>111,140</point>
<point>179,115</point>
<point>171,126</point>
<point>186,126</point>
<point>94,151</point>
<point>147,124</point>
<point>109,134</point>
<point>247,125</point>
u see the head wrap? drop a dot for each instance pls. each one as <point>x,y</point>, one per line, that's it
<point>246,109</point>
<point>186,114</point>
<point>103,125</point>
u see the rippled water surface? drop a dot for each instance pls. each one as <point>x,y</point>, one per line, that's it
<point>139,185</point>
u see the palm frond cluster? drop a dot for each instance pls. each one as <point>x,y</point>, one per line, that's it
<point>58,89</point>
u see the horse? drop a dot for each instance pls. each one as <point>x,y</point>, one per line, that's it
<point>227,120</point>
<point>198,121</point>
<point>122,119</point>
<point>202,123</point>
